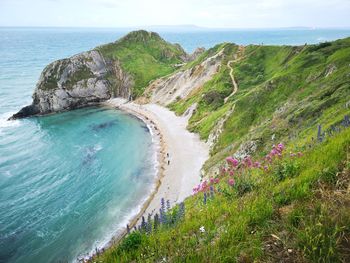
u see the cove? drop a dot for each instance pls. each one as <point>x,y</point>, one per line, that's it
<point>69,181</point>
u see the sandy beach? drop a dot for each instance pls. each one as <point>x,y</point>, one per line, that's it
<point>181,154</point>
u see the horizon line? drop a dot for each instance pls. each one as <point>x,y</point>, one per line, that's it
<point>188,27</point>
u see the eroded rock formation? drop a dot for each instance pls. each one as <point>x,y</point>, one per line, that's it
<point>75,82</point>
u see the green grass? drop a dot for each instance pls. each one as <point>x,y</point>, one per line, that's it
<point>298,210</point>
<point>144,55</point>
<point>238,227</point>
<point>283,91</point>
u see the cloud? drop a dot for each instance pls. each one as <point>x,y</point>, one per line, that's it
<point>209,13</point>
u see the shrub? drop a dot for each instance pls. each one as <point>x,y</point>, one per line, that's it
<point>213,98</point>
<point>132,241</point>
<point>286,169</point>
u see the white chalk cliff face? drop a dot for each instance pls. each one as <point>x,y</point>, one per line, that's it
<point>78,81</point>
<point>180,84</point>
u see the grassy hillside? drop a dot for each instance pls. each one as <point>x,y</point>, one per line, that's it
<point>297,210</point>
<point>145,55</point>
<point>283,92</point>
<point>285,203</point>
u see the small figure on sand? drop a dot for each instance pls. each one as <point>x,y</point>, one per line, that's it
<point>168,162</point>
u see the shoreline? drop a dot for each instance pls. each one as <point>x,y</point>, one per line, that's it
<point>178,150</point>
<point>160,162</point>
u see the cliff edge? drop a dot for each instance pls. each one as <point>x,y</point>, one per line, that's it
<point>119,69</point>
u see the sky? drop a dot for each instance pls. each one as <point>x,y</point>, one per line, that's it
<point>203,13</point>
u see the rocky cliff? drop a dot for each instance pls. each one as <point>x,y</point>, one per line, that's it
<point>118,69</point>
<point>75,82</point>
<point>180,84</point>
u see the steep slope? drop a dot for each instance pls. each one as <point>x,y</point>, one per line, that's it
<point>284,203</point>
<point>186,80</point>
<point>120,69</point>
<point>283,93</point>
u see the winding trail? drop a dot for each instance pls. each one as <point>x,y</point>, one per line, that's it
<point>239,56</point>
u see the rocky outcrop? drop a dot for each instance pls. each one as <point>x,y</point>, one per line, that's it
<point>180,84</point>
<point>116,69</point>
<point>330,70</point>
<point>81,80</point>
<point>199,51</point>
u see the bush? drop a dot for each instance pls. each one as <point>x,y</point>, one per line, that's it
<point>285,170</point>
<point>132,241</point>
<point>213,98</point>
<point>319,46</point>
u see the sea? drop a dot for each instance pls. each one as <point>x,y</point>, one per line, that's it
<point>70,181</point>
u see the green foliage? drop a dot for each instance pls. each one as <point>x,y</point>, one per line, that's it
<point>144,55</point>
<point>236,226</point>
<point>131,241</point>
<point>83,74</point>
<point>286,169</point>
<point>283,91</point>
<point>51,80</point>
<point>214,99</point>
<point>289,96</point>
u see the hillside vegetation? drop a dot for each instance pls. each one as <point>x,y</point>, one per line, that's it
<point>284,92</point>
<point>285,203</point>
<point>145,55</point>
<point>296,211</point>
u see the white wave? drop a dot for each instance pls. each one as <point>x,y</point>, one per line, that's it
<point>98,147</point>
<point>4,122</point>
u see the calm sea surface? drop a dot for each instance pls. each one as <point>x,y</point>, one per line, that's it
<point>69,181</point>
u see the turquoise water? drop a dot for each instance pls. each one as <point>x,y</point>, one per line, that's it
<point>69,181</point>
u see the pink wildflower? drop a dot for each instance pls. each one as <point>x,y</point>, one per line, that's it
<point>234,162</point>
<point>300,154</point>
<point>292,154</point>
<point>266,168</point>
<point>217,180</point>
<point>204,186</point>
<point>257,164</point>
<point>273,152</point>
<point>268,158</point>
<point>248,161</point>
<point>280,146</point>
<point>231,182</point>
<point>232,173</point>
<point>211,180</point>
<point>223,170</point>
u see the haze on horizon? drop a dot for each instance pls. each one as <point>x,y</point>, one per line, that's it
<point>204,13</point>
